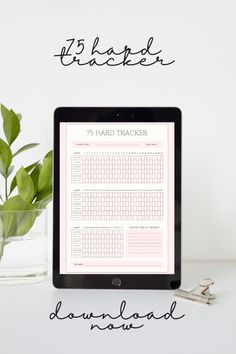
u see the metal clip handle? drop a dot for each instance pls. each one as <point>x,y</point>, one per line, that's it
<point>200,293</point>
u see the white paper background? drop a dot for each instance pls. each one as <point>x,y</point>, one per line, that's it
<point>199,35</point>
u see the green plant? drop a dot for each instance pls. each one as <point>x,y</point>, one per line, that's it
<point>30,187</point>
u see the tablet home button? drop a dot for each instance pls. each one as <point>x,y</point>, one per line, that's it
<point>116,282</point>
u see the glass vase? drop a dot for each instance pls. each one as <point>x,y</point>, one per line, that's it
<point>23,246</point>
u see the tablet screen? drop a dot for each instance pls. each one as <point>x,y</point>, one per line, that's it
<point>117,198</point>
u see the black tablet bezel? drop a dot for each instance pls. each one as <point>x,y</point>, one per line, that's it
<point>114,114</point>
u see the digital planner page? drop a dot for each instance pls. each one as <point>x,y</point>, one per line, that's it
<point>117,198</point>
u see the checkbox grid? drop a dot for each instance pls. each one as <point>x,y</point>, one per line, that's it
<point>117,168</point>
<point>117,205</point>
<point>97,243</point>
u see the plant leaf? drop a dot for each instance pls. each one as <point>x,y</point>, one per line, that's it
<point>25,147</point>
<point>5,157</point>
<point>25,185</point>
<point>25,222</point>
<point>45,175</point>
<point>11,124</point>
<point>41,204</point>
<point>9,224</point>
<point>1,222</point>
<point>9,216</point>
<point>1,227</point>
<point>10,169</point>
<point>19,116</point>
<point>35,176</point>
<point>43,194</point>
<point>28,169</point>
<point>4,111</point>
<point>15,203</point>
<point>49,154</point>
<point>17,224</point>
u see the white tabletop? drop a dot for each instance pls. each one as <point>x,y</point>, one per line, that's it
<point>25,327</point>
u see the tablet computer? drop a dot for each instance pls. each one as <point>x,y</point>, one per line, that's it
<point>117,197</point>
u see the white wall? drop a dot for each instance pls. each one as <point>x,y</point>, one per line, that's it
<point>199,35</point>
